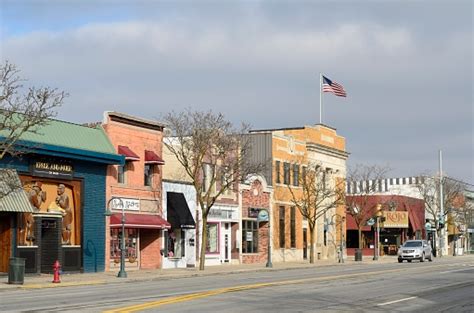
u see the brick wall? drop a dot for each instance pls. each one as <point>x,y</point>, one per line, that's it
<point>150,246</point>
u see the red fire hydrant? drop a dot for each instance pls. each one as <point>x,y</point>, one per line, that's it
<point>56,269</point>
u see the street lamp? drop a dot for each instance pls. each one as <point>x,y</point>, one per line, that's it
<point>341,249</point>
<point>117,202</point>
<point>378,215</point>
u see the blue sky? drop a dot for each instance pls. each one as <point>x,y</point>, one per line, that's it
<point>406,65</point>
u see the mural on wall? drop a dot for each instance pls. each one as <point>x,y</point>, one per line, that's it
<point>48,196</point>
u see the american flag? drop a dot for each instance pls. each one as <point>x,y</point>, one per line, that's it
<point>332,86</point>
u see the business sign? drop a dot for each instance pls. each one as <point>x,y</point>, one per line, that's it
<point>52,169</point>
<point>395,219</point>
<point>371,221</point>
<point>262,216</point>
<point>249,236</point>
<point>428,226</point>
<point>127,204</point>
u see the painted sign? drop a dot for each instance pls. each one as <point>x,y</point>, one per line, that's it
<point>395,219</point>
<point>127,204</point>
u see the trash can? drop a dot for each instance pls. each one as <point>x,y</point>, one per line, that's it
<point>319,255</point>
<point>16,271</point>
<point>358,254</point>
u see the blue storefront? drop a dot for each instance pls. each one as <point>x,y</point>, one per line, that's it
<point>63,173</point>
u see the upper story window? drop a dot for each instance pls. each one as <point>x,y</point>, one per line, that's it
<point>296,175</point>
<point>149,170</point>
<point>121,173</point>
<point>207,175</point>
<point>277,172</point>
<point>286,173</point>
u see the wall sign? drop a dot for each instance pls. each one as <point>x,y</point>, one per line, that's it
<point>396,219</point>
<point>253,212</point>
<point>263,216</point>
<point>128,204</point>
<point>54,169</point>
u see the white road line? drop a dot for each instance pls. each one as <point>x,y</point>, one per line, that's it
<point>395,301</point>
<point>452,271</point>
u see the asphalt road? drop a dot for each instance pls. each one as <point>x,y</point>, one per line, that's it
<point>445,285</point>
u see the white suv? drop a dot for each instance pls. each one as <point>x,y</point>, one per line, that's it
<point>415,250</point>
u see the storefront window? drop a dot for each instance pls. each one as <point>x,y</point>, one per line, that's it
<point>131,243</point>
<point>212,238</point>
<point>249,236</point>
<point>175,243</point>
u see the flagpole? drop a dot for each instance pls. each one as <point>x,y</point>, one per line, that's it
<point>320,98</point>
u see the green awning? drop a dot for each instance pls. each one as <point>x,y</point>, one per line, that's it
<point>12,196</point>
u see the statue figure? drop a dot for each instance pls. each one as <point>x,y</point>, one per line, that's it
<point>36,196</point>
<point>62,201</point>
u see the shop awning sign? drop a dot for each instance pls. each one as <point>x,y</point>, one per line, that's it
<point>395,219</point>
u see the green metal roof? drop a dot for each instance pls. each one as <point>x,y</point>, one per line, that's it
<point>12,196</point>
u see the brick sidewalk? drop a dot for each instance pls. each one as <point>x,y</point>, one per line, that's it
<point>77,279</point>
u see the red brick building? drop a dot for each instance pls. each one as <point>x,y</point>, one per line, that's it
<point>135,189</point>
<point>256,196</point>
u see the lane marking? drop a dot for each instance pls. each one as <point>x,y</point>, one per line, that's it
<point>396,301</point>
<point>208,293</point>
<point>452,271</point>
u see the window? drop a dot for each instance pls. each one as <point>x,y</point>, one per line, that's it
<point>277,172</point>
<point>303,173</point>
<point>296,174</point>
<point>212,238</point>
<point>149,170</point>
<point>121,173</point>
<point>226,178</point>
<point>207,175</point>
<point>174,243</point>
<point>286,173</point>
<point>282,227</point>
<point>249,236</point>
<point>131,243</point>
<point>293,227</point>
<point>324,180</point>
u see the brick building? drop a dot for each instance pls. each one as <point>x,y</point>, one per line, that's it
<point>135,189</point>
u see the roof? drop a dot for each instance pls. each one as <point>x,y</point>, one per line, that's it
<point>60,138</point>
<point>269,130</point>
<point>12,196</point>
<point>133,120</point>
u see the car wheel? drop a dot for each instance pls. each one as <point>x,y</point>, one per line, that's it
<point>409,261</point>
<point>400,260</point>
<point>422,259</point>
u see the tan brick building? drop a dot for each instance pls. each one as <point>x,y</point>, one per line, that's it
<point>286,151</point>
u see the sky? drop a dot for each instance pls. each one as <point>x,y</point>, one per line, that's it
<point>407,67</point>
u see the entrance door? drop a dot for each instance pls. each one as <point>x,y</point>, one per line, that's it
<point>227,242</point>
<point>50,243</point>
<point>5,242</point>
<point>305,243</point>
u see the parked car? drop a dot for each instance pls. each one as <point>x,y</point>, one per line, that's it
<point>415,250</point>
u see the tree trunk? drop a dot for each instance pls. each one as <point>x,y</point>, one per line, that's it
<point>203,243</point>
<point>312,250</point>
<point>359,230</point>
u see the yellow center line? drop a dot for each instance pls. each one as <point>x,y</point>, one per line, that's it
<point>204,294</point>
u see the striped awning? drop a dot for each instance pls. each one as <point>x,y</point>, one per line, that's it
<point>12,196</point>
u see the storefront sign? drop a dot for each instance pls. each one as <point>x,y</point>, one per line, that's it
<point>253,213</point>
<point>248,236</point>
<point>221,214</point>
<point>395,219</point>
<point>128,204</point>
<point>262,216</point>
<point>54,169</point>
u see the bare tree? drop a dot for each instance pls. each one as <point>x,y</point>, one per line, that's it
<point>363,181</point>
<point>214,155</point>
<point>23,110</point>
<point>317,192</point>
<point>438,209</point>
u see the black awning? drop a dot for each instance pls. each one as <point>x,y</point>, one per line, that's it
<point>178,214</point>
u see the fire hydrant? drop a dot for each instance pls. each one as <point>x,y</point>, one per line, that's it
<point>56,269</point>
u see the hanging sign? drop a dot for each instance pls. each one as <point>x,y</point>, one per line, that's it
<point>262,216</point>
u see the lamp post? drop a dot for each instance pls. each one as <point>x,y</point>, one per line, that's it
<point>341,247</point>
<point>378,214</point>
<point>117,202</point>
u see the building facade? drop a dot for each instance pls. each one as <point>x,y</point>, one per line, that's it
<point>63,174</point>
<point>286,152</point>
<point>134,189</point>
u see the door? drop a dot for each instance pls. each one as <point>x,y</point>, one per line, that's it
<point>227,242</point>
<point>305,243</point>
<point>5,242</point>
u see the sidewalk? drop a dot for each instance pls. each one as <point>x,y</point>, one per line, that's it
<point>78,279</point>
